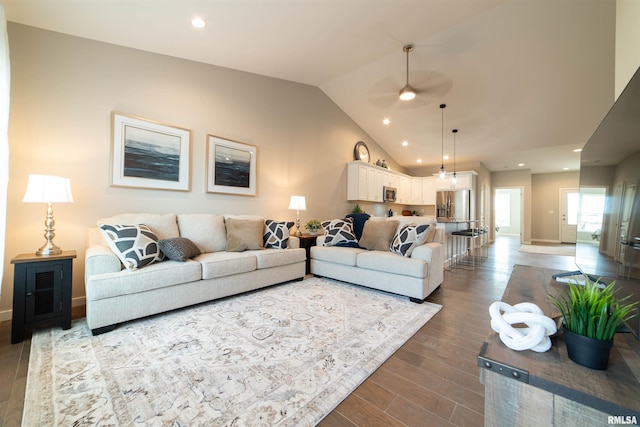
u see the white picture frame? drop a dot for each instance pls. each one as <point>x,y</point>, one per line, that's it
<point>149,154</point>
<point>231,167</point>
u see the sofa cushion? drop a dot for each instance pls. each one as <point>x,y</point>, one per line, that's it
<point>244,234</point>
<point>408,237</point>
<point>392,263</point>
<point>155,276</point>
<point>336,255</point>
<point>220,264</point>
<point>339,232</point>
<point>377,235</point>
<point>135,245</point>
<point>207,231</point>
<point>164,226</point>
<point>178,248</point>
<point>268,258</point>
<point>276,233</point>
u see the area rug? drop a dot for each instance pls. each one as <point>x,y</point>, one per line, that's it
<point>549,250</point>
<point>285,355</point>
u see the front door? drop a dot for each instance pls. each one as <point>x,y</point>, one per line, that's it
<point>569,202</point>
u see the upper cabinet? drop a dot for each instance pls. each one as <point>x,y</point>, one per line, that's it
<point>365,182</point>
<point>465,181</point>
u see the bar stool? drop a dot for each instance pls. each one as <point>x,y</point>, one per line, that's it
<point>465,242</point>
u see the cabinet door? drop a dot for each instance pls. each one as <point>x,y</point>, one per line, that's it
<point>43,292</point>
<point>417,195</point>
<point>429,190</point>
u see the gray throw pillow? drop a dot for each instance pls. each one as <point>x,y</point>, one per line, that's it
<point>178,248</point>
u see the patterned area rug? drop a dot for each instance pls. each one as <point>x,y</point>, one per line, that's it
<point>286,355</point>
<point>569,250</point>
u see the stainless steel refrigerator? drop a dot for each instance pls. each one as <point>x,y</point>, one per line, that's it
<point>453,205</point>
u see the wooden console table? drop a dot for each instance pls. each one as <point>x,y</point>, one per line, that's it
<point>525,388</point>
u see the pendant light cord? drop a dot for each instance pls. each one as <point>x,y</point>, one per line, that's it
<point>442,107</point>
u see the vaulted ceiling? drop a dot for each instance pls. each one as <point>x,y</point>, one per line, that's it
<point>525,81</point>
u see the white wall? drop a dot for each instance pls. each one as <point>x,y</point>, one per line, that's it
<point>64,89</point>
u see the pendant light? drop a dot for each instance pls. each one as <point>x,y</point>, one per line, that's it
<point>443,172</point>
<point>455,178</point>
<point>407,93</point>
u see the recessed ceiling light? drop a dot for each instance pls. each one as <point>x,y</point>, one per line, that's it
<point>405,143</point>
<point>198,23</point>
<point>577,150</point>
<point>521,164</point>
<point>386,121</point>
<point>565,169</point>
<point>445,157</point>
<point>419,160</point>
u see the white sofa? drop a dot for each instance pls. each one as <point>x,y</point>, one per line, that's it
<point>115,294</point>
<point>415,276</point>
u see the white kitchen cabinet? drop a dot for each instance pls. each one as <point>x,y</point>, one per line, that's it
<point>464,182</point>
<point>365,182</point>
<point>416,191</point>
<point>428,190</point>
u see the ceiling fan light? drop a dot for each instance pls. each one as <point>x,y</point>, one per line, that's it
<point>407,93</point>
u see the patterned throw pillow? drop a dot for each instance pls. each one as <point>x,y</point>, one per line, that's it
<point>178,248</point>
<point>408,238</point>
<point>339,232</point>
<point>135,245</point>
<point>276,233</point>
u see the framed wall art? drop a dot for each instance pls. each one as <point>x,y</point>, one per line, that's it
<point>231,167</point>
<point>149,154</point>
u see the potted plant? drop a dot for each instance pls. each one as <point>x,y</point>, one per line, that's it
<point>591,316</point>
<point>313,225</point>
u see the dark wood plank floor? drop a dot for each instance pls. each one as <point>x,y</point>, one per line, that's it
<point>432,380</point>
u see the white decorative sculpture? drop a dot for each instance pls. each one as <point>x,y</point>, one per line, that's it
<point>534,337</point>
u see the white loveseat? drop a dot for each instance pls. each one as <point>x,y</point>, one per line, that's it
<point>115,294</point>
<point>415,276</point>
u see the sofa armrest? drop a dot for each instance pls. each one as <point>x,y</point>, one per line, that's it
<point>440,236</point>
<point>427,252</point>
<point>100,259</point>
<point>293,243</point>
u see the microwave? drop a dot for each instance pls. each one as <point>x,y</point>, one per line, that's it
<point>389,194</point>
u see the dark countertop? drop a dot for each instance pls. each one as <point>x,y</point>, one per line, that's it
<point>614,391</point>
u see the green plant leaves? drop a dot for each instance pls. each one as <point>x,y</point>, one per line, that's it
<point>592,310</point>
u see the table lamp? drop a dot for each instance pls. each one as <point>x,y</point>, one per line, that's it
<point>298,203</point>
<point>48,189</point>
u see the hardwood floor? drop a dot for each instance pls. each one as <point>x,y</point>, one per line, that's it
<point>432,380</point>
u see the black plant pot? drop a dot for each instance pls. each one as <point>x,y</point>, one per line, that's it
<point>587,351</point>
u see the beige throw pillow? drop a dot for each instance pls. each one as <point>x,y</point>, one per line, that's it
<point>377,235</point>
<point>244,234</point>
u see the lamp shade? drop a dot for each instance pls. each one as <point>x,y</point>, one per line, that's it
<point>48,189</point>
<point>298,203</point>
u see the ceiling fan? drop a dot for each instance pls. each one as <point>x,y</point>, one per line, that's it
<point>431,87</point>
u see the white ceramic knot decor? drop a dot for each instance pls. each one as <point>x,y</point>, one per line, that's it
<point>534,337</point>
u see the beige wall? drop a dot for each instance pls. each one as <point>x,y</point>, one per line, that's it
<point>64,90</point>
<point>545,203</point>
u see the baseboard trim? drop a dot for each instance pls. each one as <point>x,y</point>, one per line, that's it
<point>546,241</point>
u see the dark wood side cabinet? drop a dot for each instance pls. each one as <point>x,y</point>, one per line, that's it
<point>526,388</point>
<point>306,242</point>
<point>41,292</point>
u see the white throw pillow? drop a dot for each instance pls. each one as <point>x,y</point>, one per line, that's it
<point>408,238</point>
